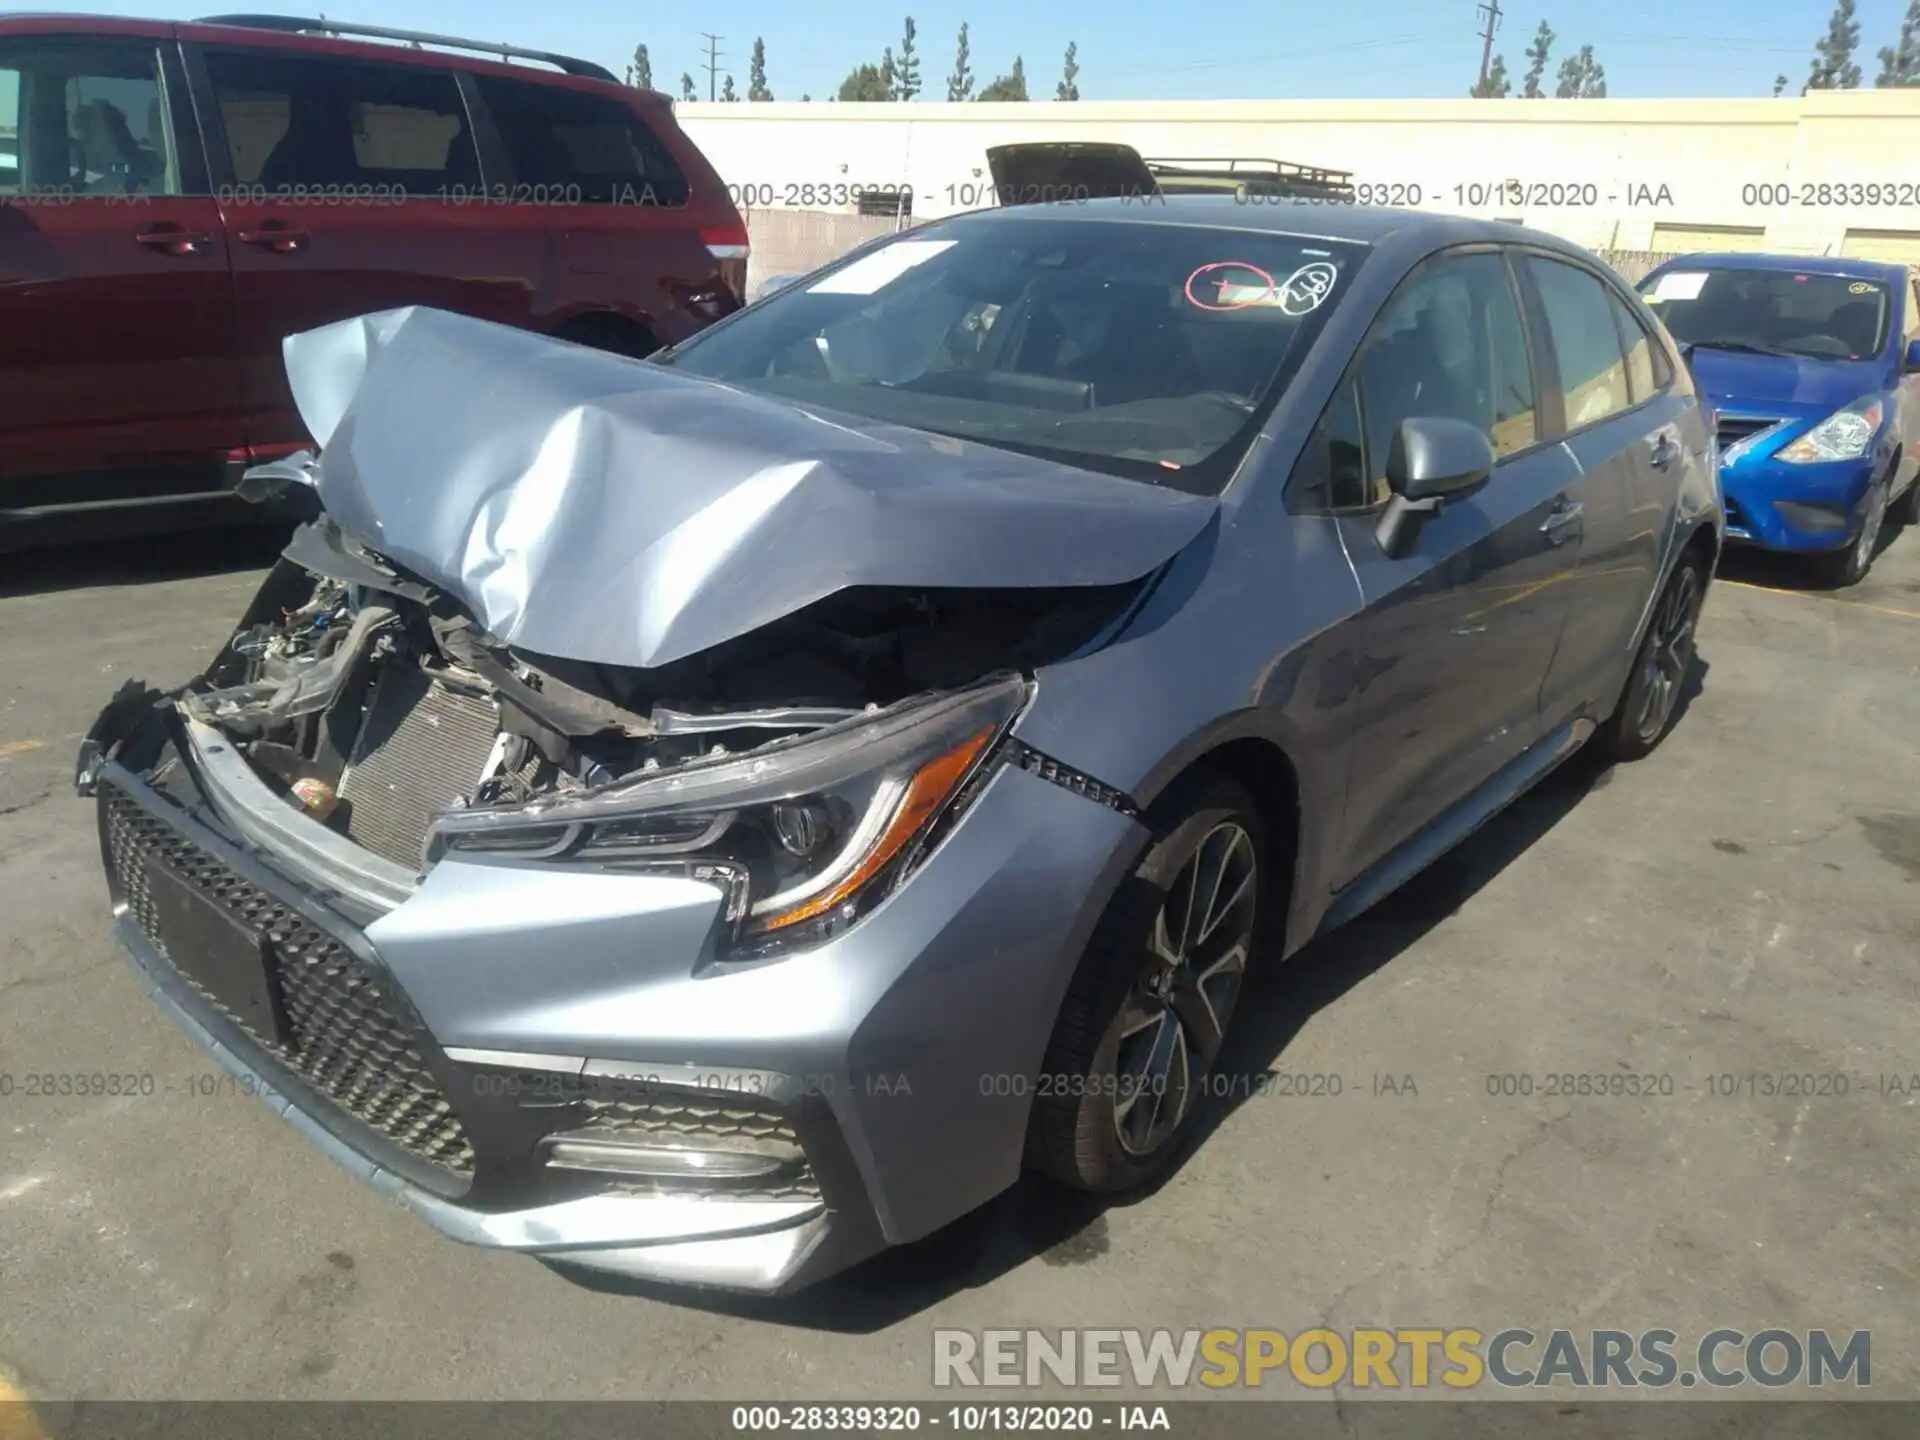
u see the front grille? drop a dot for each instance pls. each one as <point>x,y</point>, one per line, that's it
<point>1735,428</point>
<point>355,1039</point>
<point>421,746</point>
<point>691,1122</point>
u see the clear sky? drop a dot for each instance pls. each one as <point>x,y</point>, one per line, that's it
<point>1132,50</point>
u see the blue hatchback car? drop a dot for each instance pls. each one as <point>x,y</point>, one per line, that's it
<point>1814,368</point>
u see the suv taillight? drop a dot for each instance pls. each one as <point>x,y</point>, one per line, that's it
<point>728,245</point>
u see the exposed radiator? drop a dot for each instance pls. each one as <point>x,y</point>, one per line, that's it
<point>421,746</point>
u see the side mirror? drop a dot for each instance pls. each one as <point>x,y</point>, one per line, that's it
<point>1430,461</point>
<point>1913,355</point>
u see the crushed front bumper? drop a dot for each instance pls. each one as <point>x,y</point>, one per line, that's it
<point>438,1048</point>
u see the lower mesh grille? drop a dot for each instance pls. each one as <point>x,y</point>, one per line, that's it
<point>690,1122</point>
<point>421,746</point>
<point>355,1040</point>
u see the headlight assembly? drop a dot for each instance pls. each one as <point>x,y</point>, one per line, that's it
<point>1844,435</point>
<point>803,835</point>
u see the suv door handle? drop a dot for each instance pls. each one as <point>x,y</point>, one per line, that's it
<point>171,239</point>
<point>1665,451</point>
<point>1564,515</point>
<point>276,235</point>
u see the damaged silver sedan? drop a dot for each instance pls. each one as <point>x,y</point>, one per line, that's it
<point>711,818</point>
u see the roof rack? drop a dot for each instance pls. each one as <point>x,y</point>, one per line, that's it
<point>1260,177</point>
<point>292,25</point>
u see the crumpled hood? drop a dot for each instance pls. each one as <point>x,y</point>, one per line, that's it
<point>1799,385</point>
<point>593,508</point>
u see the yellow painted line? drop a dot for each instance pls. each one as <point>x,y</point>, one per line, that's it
<point>1803,595</point>
<point>17,1418</point>
<point>20,747</point>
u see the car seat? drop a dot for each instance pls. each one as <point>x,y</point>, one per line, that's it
<point>317,148</point>
<point>1855,326</point>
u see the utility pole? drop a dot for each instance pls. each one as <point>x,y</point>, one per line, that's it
<point>1491,9</point>
<point>713,62</point>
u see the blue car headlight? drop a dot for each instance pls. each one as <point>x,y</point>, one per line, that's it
<point>1847,434</point>
<point>802,835</point>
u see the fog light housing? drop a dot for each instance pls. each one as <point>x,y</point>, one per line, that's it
<point>1822,519</point>
<point>657,1157</point>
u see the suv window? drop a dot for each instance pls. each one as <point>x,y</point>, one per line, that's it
<point>572,148</point>
<point>294,124</point>
<point>1449,345</point>
<point>1593,366</point>
<point>1913,285</point>
<point>1641,383</point>
<point>84,118</point>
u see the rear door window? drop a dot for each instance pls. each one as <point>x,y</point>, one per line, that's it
<point>84,117</point>
<point>1580,326</point>
<point>297,126</point>
<point>568,147</point>
<point>1641,382</point>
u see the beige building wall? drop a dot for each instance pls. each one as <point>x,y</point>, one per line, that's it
<point>1832,173</point>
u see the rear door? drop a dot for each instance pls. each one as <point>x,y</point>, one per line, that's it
<point>1458,632</point>
<point>1622,424</point>
<point>347,186</point>
<point>117,374</point>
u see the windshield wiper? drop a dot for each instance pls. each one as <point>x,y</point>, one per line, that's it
<point>1742,347</point>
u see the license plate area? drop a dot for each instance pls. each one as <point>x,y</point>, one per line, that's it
<point>230,961</point>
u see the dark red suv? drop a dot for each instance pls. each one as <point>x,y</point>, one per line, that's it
<point>177,198</point>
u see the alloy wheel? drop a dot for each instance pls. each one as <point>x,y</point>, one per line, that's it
<point>1870,526</point>
<point>1176,1015</point>
<point>1669,652</point>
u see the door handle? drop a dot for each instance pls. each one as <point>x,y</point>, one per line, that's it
<point>277,236</point>
<point>1665,451</point>
<point>1559,520</point>
<point>172,239</point>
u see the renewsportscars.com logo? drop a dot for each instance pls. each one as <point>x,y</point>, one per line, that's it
<point>1459,1359</point>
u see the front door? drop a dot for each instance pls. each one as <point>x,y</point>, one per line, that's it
<point>1458,632</point>
<point>117,372</point>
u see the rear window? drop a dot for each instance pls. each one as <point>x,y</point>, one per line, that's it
<point>569,147</point>
<point>1824,317</point>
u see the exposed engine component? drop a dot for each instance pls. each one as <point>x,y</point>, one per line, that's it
<point>373,703</point>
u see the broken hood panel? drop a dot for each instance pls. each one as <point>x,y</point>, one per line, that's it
<point>594,508</point>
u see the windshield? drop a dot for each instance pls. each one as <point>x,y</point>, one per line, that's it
<point>1142,349</point>
<point>1822,317</point>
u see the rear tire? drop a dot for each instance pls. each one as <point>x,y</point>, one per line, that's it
<point>1907,510</point>
<point>1149,1007</point>
<point>1652,697</point>
<point>613,333</point>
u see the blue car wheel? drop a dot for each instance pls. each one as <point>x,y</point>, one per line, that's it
<point>1850,566</point>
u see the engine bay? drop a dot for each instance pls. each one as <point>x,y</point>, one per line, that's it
<point>372,701</point>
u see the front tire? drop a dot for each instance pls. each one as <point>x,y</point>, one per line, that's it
<point>1148,1009</point>
<point>1652,697</point>
<point>1850,566</point>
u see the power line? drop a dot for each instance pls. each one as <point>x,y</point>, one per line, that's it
<point>713,62</point>
<point>1491,9</point>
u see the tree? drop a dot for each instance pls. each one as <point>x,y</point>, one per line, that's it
<point>687,91</point>
<point>757,72</point>
<point>1779,86</point>
<point>889,74</point>
<point>1537,61</point>
<point>806,97</point>
<point>960,83</point>
<point>727,92</point>
<point>865,83</point>
<point>1011,86</point>
<point>642,72</point>
<point>1069,88</point>
<point>1581,77</point>
<point>1496,86</point>
<point>906,72</point>
<point>1833,67</point>
<point>1901,66</point>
